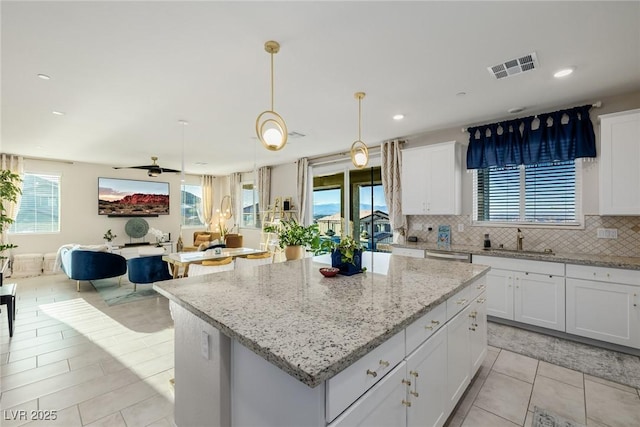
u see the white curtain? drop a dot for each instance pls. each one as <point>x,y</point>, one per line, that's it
<point>15,164</point>
<point>264,188</point>
<point>206,207</point>
<point>391,170</point>
<point>235,179</point>
<point>303,170</point>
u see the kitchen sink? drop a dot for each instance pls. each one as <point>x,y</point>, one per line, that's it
<point>515,251</point>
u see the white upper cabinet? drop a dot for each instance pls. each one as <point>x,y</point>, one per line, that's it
<point>431,179</point>
<point>619,160</point>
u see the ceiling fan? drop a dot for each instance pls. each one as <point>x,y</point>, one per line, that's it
<point>153,169</point>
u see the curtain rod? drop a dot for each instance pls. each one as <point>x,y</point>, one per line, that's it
<point>596,104</point>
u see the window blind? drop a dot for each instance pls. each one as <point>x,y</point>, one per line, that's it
<point>543,193</point>
<point>39,210</point>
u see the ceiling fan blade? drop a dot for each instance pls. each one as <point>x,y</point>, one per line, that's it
<point>170,170</point>
<point>136,167</point>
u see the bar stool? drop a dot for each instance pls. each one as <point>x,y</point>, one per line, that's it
<point>8,297</point>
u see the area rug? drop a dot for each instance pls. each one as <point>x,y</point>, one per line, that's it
<point>112,294</point>
<point>599,362</point>
<point>544,418</point>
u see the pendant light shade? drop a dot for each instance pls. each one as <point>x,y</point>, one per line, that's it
<point>270,126</point>
<point>359,150</point>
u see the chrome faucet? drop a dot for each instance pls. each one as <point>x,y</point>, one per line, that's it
<point>519,239</point>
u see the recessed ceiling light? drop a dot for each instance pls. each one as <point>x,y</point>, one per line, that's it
<point>398,117</point>
<point>461,93</point>
<point>515,110</point>
<point>563,73</point>
<point>58,113</point>
<point>44,77</point>
<point>201,163</point>
<point>183,122</point>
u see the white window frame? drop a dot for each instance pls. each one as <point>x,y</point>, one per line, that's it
<point>199,208</point>
<point>51,174</point>
<point>578,224</point>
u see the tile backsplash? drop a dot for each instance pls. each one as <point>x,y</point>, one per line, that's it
<point>537,239</point>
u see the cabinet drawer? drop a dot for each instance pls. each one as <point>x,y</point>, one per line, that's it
<point>343,389</point>
<point>424,327</point>
<point>460,300</point>
<point>604,274</point>
<point>415,253</point>
<point>524,265</point>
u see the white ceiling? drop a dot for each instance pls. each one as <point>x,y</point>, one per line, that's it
<point>125,73</point>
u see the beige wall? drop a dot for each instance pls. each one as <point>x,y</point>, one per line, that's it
<point>80,222</point>
<point>79,219</point>
<point>590,169</point>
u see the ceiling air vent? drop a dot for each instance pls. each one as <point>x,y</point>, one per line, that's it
<point>514,66</point>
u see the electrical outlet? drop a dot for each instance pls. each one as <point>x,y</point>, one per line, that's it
<point>461,227</point>
<point>607,233</point>
<point>204,345</point>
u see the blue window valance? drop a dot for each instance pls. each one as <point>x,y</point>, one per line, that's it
<point>551,137</point>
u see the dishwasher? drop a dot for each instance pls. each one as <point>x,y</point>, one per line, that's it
<point>448,255</point>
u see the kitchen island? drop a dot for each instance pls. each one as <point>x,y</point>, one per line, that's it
<point>282,345</point>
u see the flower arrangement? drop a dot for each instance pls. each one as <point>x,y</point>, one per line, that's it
<point>158,234</point>
<point>109,236</point>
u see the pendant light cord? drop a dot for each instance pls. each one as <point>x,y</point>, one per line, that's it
<point>359,119</point>
<point>272,86</point>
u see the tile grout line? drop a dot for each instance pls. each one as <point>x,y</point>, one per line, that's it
<point>531,395</point>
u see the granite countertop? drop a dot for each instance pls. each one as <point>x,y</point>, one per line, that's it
<point>313,327</point>
<point>597,260</point>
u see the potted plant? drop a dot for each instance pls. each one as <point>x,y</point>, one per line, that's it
<point>294,237</point>
<point>346,255</point>
<point>9,192</point>
<point>109,236</point>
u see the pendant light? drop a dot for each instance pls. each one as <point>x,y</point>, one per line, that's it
<point>270,127</point>
<point>359,150</point>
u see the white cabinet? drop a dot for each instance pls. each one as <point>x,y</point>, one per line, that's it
<point>530,292</point>
<point>427,372</point>
<point>459,357</point>
<point>384,405</point>
<point>603,304</point>
<point>431,180</point>
<point>478,335</point>
<point>619,159</point>
<point>539,300</point>
<point>500,293</point>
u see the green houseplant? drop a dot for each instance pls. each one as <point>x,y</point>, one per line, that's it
<point>294,237</point>
<point>346,255</point>
<point>9,192</point>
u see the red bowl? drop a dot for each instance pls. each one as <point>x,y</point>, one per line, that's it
<point>329,271</point>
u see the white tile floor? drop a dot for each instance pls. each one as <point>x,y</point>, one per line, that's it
<point>110,366</point>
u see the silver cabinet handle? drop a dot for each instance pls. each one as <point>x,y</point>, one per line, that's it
<point>372,373</point>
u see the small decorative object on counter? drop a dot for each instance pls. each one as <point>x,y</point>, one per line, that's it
<point>329,271</point>
<point>444,237</point>
<point>487,241</point>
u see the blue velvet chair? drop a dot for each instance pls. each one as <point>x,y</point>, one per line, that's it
<point>91,265</point>
<point>148,269</point>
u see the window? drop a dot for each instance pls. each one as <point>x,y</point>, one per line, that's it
<point>365,207</point>
<point>250,207</point>
<point>537,194</point>
<point>39,210</point>
<point>190,203</point>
